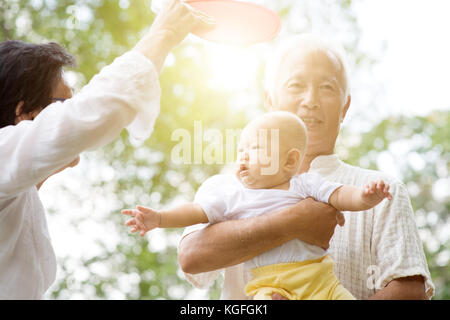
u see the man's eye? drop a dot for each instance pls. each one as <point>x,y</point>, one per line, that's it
<point>327,87</point>
<point>296,85</point>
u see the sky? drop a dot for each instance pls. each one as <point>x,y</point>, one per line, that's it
<point>410,40</point>
<point>415,68</point>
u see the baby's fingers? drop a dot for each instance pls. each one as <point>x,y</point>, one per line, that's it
<point>129,212</point>
<point>371,186</point>
<point>139,223</point>
<point>366,190</point>
<point>380,185</point>
<point>143,232</point>
<point>131,222</point>
<point>385,190</point>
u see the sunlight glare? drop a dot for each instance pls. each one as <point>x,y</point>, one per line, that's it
<point>232,68</point>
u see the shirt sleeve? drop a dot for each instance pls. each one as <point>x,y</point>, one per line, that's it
<point>212,198</point>
<point>124,94</point>
<point>314,185</point>
<point>201,280</point>
<point>398,247</point>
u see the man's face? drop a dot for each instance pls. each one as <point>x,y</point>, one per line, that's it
<point>311,85</point>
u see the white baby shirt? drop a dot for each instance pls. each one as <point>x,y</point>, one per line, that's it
<point>224,197</point>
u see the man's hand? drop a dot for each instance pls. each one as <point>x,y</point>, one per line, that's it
<point>144,219</point>
<point>321,220</point>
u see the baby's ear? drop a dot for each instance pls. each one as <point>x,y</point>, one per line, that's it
<point>293,160</point>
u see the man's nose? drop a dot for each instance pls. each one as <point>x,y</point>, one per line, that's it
<point>311,99</point>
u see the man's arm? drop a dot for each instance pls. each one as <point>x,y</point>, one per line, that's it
<point>408,288</point>
<point>232,242</point>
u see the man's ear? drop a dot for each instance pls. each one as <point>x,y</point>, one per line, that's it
<point>347,105</point>
<point>267,101</point>
<point>292,160</point>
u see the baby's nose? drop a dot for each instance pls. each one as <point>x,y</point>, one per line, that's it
<point>243,156</point>
<point>242,166</point>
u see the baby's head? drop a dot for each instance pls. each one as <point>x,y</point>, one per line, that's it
<point>271,150</point>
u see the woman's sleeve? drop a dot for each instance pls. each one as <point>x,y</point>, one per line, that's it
<point>124,94</point>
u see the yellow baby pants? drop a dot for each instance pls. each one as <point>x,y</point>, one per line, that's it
<point>306,280</point>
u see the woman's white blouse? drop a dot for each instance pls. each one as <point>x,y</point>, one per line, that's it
<point>124,94</point>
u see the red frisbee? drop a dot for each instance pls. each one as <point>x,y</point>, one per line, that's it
<point>237,22</point>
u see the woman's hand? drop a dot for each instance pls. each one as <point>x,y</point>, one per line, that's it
<point>170,27</point>
<point>177,20</point>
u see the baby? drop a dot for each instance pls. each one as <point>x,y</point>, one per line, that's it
<point>271,150</point>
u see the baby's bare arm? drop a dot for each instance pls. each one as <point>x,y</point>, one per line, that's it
<point>146,219</point>
<point>349,198</point>
<point>182,216</point>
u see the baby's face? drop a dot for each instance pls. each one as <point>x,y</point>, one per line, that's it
<point>259,161</point>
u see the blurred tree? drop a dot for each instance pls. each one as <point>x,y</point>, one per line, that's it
<point>123,174</point>
<point>417,151</point>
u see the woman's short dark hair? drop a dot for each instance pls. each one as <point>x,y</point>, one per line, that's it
<point>29,73</point>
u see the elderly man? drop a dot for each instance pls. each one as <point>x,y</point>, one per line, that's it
<point>39,138</point>
<point>378,253</point>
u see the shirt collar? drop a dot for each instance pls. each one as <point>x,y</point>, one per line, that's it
<point>325,165</point>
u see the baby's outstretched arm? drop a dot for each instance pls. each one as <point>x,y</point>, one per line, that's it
<point>348,198</point>
<point>146,219</point>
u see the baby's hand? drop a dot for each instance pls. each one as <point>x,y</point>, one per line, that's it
<point>373,193</point>
<point>144,219</point>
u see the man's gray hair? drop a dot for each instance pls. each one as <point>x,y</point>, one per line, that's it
<point>308,42</point>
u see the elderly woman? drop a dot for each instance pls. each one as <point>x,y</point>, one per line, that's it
<point>43,129</point>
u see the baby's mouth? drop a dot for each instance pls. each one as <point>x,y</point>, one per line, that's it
<point>243,170</point>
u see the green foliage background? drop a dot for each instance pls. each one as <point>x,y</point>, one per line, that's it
<point>97,31</point>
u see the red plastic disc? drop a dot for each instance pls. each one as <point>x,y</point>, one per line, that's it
<point>238,22</point>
